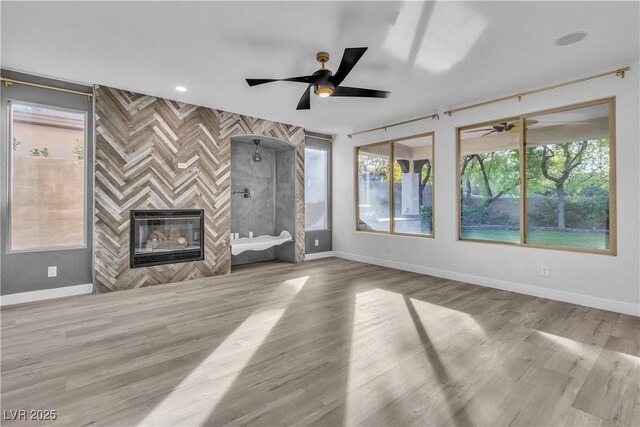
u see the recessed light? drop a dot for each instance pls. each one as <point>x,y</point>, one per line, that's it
<point>181,88</point>
<point>572,38</point>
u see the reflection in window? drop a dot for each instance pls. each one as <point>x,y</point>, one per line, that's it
<point>373,187</point>
<point>47,205</point>
<point>568,169</point>
<point>315,191</point>
<point>413,185</point>
<point>489,178</point>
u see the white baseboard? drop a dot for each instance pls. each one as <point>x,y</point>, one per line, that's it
<point>318,255</point>
<point>45,294</point>
<point>536,291</point>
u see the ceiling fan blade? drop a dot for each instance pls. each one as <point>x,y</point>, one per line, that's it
<point>356,91</point>
<point>305,100</point>
<point>478,130</point>
<point>487,134</point>
<point>349,60</point>
<point>301,79</point>
<point>499,125</point>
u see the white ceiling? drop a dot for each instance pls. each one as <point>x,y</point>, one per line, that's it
<point>429,55</point>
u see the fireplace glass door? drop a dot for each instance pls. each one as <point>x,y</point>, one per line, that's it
<point>166,236</point>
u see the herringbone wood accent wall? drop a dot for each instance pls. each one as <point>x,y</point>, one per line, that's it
<point>140,140</point>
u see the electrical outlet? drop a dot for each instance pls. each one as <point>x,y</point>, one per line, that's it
<point>544,271</point>
<point>52,271</point>
<point>317,242</point>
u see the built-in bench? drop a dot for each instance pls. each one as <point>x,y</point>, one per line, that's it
<point>259,243</point>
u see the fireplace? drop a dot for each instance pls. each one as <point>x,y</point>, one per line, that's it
<point>166,236</point>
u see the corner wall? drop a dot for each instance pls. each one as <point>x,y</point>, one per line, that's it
<point>285,201</point>
<point>609,282</point>
<point>140,140</point>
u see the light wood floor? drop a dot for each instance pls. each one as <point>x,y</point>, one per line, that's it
<point>329,342</point>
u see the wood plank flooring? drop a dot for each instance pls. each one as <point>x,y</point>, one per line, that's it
<point>329,342</point>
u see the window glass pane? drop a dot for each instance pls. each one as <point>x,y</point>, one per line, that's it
<point>315,192</point>
<point>47,206</point>
<point>568,178</point>
<point>413,185</point>
<point>373,187</point>
<point>490,190</point>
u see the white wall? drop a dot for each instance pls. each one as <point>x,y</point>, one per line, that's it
<point>609,282</point>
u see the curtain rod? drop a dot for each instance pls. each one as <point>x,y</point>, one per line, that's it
<point>306,135</point>
<point>620,72</point>
<point>9,82</point>
<point>432,116</point>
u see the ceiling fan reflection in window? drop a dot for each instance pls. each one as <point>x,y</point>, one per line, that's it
<point>513,126</point>
<point>325,83</point>
<point>501,127</point>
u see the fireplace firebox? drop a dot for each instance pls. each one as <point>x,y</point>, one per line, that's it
<point>166,236</point>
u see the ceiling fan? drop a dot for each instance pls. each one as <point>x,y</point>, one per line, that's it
<point>325,83</point>
<point>501,127</point>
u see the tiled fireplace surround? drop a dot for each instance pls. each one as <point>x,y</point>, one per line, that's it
<point>140,140</point>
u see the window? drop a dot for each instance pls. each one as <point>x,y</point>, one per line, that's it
<point>413,185</point>
<point>569,200</point>
<point>47,204</point>
<point>489,185</point>
<point>407,186</point>
<point>316,188</point>
<point>564,159</point>
<point>374,194</point>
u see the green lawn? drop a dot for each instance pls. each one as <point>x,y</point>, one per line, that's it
<point>594,240</point>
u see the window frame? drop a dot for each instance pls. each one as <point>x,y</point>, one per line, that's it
<point>327,171</point>
<point>390,144</point>
<point>9,184</point>
<point>612,251</point>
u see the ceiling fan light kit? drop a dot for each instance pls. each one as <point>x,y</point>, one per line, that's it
<point>323,90</point>
<point>325,83</point>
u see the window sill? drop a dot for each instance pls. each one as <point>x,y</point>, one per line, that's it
<point>610,252</point>
<point>51,249</point>
<point>388,233</point>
